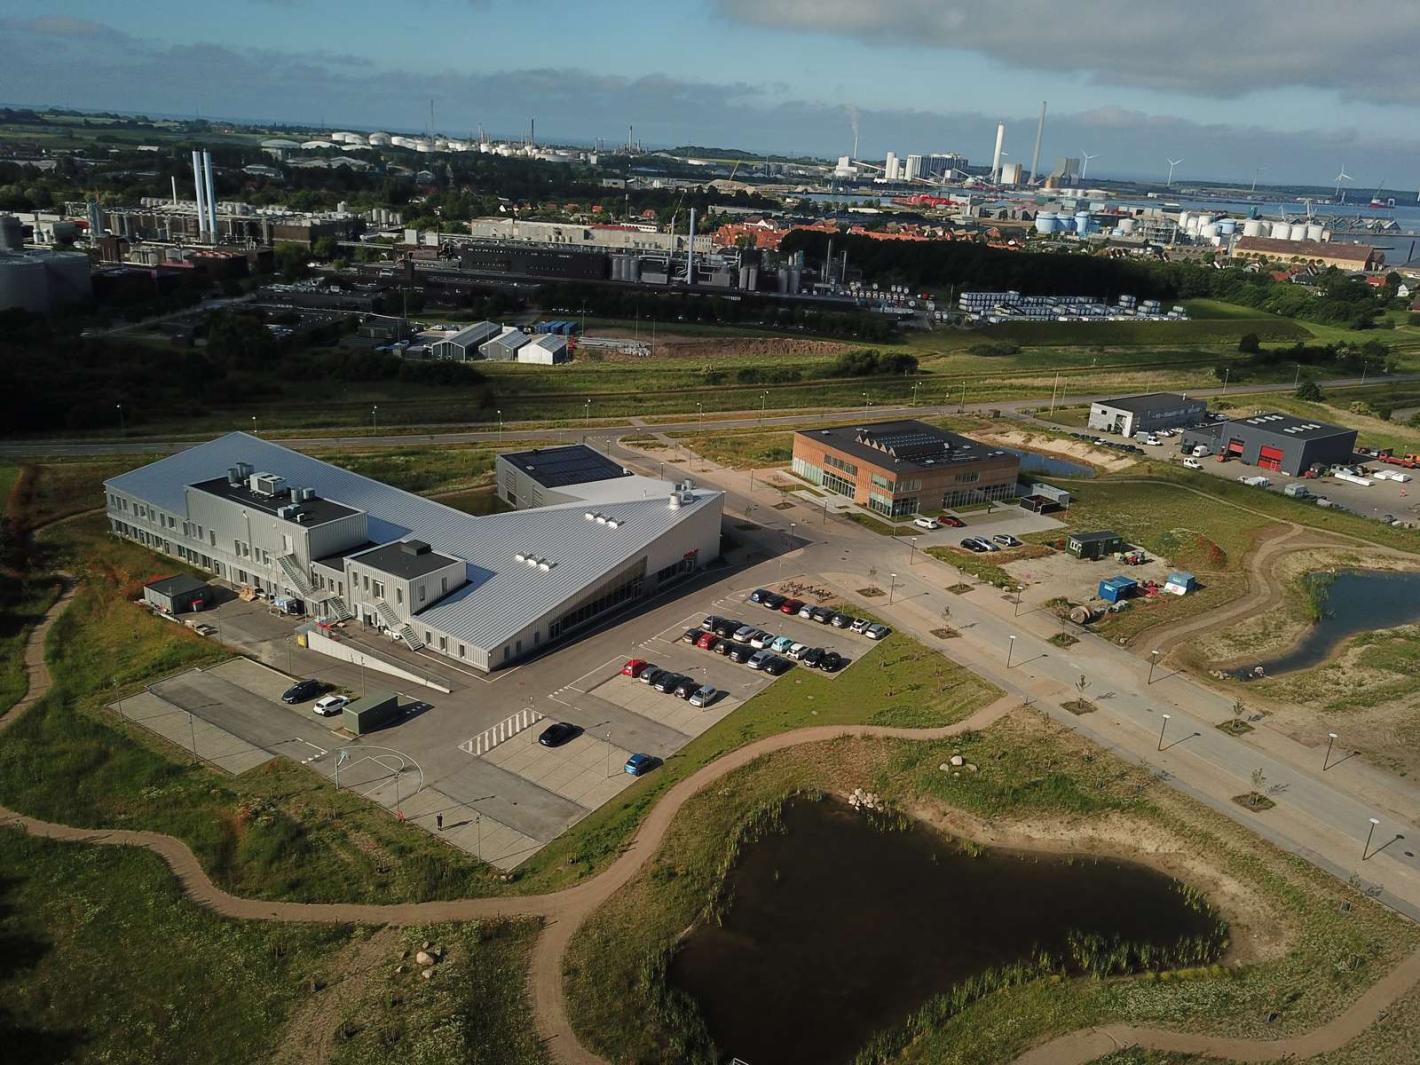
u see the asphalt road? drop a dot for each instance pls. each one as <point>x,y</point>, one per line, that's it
<point>76,447</point>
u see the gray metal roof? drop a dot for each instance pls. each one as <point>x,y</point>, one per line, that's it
<point>470,336</point>
<point>179,584</point>
<point>1150,401</point>
<point>503,595</point>
<point>905,446</point>
<point>556,467</point>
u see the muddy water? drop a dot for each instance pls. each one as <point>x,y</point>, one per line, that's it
<point>837,928</point>
<point>1353,601</point>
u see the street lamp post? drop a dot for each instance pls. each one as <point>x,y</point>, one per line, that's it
<point>1366,850</point>
<point>122,430</point>
<point>1326,762</point>
<point>587,412</point>
<point>892,588</point>
<point>253,425</point>
<point>192,732</point>
<point>1153,661</point>
<point>375,417</point>
<point>500,426</point>
<point>1161,731</point>
<point>915,385</point>
<point>1010,651</point>
<point>912,557</point>
<point>763,399</point>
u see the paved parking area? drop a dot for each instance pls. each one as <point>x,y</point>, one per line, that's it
<point>210,743</point>
<point>587,770</point>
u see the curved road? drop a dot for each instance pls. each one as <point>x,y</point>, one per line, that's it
<point>563,912</point>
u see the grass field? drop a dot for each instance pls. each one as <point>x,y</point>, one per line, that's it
<point>1032,772</point>
<point>106,962</point>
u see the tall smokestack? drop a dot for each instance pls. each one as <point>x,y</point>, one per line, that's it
<point>996,155</point>
<point>211,199</point>
<point>690,252</point>
<point>197,188</point>
<point>1035,156</point>
<point>175,199</point>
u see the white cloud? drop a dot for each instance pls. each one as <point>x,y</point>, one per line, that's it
<point>1360,49</point>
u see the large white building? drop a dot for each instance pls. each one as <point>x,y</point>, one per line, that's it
<point>483,591</point>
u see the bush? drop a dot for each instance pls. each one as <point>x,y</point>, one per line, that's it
<point>994,348</point>
<point>1310,390</point>
<point>1249,344</point>
<point>871,363</point>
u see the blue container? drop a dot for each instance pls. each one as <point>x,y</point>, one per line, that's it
<point>1113,589</point>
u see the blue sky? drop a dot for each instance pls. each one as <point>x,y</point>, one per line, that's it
<point>1132,80</point>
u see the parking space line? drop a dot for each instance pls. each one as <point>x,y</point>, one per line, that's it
<point>503,731</point>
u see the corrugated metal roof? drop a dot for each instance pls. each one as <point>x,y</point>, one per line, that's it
<point>504,595</point>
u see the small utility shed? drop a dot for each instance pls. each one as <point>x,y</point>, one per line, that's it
<point>1113,589</point>
<point>1092,545</point>
<point>373,711</point>
<point>177,595</point>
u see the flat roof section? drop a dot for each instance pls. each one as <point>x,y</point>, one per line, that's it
<point>1297,428</point>
<point>406,559</point>
<point>557,467</point>
<point>318,510</point>
<point>904,446</point>
<point>180,584</point>
<point>1148,401</point>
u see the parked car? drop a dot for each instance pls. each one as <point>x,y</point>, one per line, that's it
<point>841,620</point>
<point>205,629</point>
<point>791,606</point>
<point>757,596</point>
<point>812,657</point>
<point>781,644</point>
<point>951,521</point>
<point>806,611</point>
<point>777,667</point>
<point>1006,540</point>
<point>634,667</point>
<point>773,601</point>
<point>691,635</point>
<point>558,733</point>
<point>667,681</point>
<point>741,653</point>
<point>832,662</point>
<point>704,695</point>
<point>924,522</point>
<point>711,620</point>
<point>822,615</point>
<point>650,674</point>
<point>759,658</point>
<point>876,632</point>
<point>761,639</point>
<point>860,624</point>
<point>687,687</point>
<point>727,627</point>
<point>743,633</point>
<point>971,543</point>
<point>706,640</point>
<point>1193,464</point>
<point>301,691</point>
<point>796,651</point>
<point>330,705</point>
<point>638,764</point>
<point>722,646</point>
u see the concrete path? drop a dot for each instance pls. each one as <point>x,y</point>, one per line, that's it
<point>563,912</point>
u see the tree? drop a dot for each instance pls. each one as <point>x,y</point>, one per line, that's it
<point>1310,390</point>
<point>1081,685</point>
<point>1249,344</point>
<point>1239,709</point>
<point>1259,781</point>
<point>239,340</point>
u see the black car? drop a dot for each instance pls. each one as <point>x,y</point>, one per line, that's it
<point>723,646</point>
<point>650,674</point>
<point>687,687</point>
<point>711,620</point>
<point>822,615</point>
<point>777,666</point>
<point>840,620</point>
<point>740,652</point>
<point>757,596</point>
<point>773,600</point>
<point>667,681</point>
<point>558,733</point>
<point>691,635</point>
<point>832,662</point>
<point>301,691</point>
<point>813,656</point>
<point>726,626</point>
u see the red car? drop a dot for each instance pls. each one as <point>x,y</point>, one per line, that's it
<point>633,667</point>
<point>706,640</point>
<point>952,521</point>
<point>791,606</point>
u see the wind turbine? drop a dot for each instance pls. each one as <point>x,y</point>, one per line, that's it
<point>1172,163</point>
<point>1340,177</point>
<point>1255,172</point>
<point>1085,169</point>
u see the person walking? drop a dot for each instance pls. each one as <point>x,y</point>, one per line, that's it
<point>439,820</point>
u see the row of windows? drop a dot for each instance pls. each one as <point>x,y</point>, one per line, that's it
<point>893,508</point>
<point>626,587</point>
<point>835,483</point>
<point>839,464</point>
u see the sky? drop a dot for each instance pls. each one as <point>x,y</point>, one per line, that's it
<point>1289,92</point>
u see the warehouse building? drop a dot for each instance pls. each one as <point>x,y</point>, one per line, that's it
<point>463,346</point>
<point>483,591</point>
<point>503,347</point>
<point>546,350</point>
<point>1322,253</point>
<point>905,467</point>
<point>1130,415</point>
<point>1276,442</point>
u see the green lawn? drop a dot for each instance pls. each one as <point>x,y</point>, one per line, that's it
<point>106,962</point>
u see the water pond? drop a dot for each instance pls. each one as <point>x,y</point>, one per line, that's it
<point>1351,602</point>
<point>838,927</point>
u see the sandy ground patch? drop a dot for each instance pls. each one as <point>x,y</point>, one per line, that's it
<point>1075,449</point>
<point>683,347</point>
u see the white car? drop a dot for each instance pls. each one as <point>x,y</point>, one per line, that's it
<point>924,522</point>
<point>704,695</point>
<point>1193,464</point>
<point>761,640</point>
<point>1153,441</point>
<point>796,652</point>
<point>330,705</point>
<point>806,611</point>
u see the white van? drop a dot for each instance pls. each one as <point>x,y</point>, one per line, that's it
<point>923,522</point>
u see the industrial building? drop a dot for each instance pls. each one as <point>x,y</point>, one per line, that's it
<point>503,347</point>
<point>463,346</point>
<point>536,478</point>
<point>1129,415</point>
<point>482,591</point>
<point>1323,253</point>
<point>548,349</point>
<point>901,468</point>
<point>1277,442</point>
<point>603,236</point>
<point>43,281</point>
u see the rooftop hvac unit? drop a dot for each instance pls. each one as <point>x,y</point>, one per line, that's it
<point>288,512</point>
<point>590,516</point>
<point>307,494</point>
<point>266,484</point>
<point>520,557</point>
<point>612,523</point>
<point>234,475</point>
<point>601,519</point>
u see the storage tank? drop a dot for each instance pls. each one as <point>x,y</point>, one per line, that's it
<point>1252,228</point>
<point>1208,231</point>
<point>1298,231</point>
<point>23,284</point>
<point>1280,230</point>
<point>1045,222</point>
<point>1083,222</point>
<point>1314,231</point>
<point>1125,226</point>
<point>379,140</point>
<point>1227,226</point>
<point>1326,234</point>
<point>12,233</point>
<point>1183,217</point>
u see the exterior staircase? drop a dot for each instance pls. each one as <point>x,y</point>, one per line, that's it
<point>337,610</point>
<point>410,637</point>
<point>291,567</point>
<point>398,626</point>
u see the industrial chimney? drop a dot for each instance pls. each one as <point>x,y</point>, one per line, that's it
<point>996,156</point>
<point>211,199</point>
<point>197,189</point>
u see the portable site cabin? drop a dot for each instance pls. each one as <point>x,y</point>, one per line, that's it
<point>1181,583</point>
<point>373,711</point>
<point>177,595</point>
<point>1094,545</point>
<point>1114,589</point>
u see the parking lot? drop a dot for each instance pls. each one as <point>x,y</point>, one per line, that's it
<point>471,756</point>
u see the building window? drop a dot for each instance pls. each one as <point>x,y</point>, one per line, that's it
<point>969,477</point>
<point>839,464</point>
<point>422,593</point>
<point>399,595</point>
<point>835,483</point>
<point>378,589</point>
<point>879,481</point>
<point>461,654</point>
<point>443,643</point>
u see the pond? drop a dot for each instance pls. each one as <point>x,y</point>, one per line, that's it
<point>1351,601</point>
<point>1051,465</point>
<point>837,927</point>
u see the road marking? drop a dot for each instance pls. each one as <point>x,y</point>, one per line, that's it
<point>503,731</point>
<point>321,752</point>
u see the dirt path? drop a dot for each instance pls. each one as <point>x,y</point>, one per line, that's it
<point>563,912</point>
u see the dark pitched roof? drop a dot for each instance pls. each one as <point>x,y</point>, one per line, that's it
<point>556,467</point>
<point>1288,426</point>
<point>904,446</point>
<point>1306,249</point>
<point>1149,401</point>
<point>404,558</point>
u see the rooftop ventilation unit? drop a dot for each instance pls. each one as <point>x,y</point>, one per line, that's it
<point>520,557</point>
<point>601,519</point>
<point>307,494</point>
<point>590,516</point>
<point>265,484</point>
<point>234,476</point>
<point>612,523</point>
<point>288,512</point>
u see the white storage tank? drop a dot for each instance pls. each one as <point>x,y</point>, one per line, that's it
<point>1314,232</point>
<point>1209,231</point>
<point>1125,226</point>
<point>1083,222</point>
<point>1183,218</point>
<point>1227,226</point>
<point>1298,232</point>
<point>23,284</point>
<point>1281,230</point>
<point>1045,222</point>
<point>1252,228</point>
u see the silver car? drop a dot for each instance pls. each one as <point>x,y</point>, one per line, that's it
<point>705,695</point>
<point>744,632</point>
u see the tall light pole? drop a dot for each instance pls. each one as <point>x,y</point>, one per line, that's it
<point>500,426</point>
<point>375,418</point>
<point>763,398</point>
<point>1161,731</point>
<point>587,412</point>
<point>913,556</point>
<point>122,430</point>
<point>892,588</point>
<point>1366,850</point>
<point>915,385</point>
<point>1010,651</point>
<point>1153,661</point>
<point>253,425</point>
<point>1326,761</point>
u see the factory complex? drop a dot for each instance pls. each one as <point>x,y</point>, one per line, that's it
<point>483,591</point>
